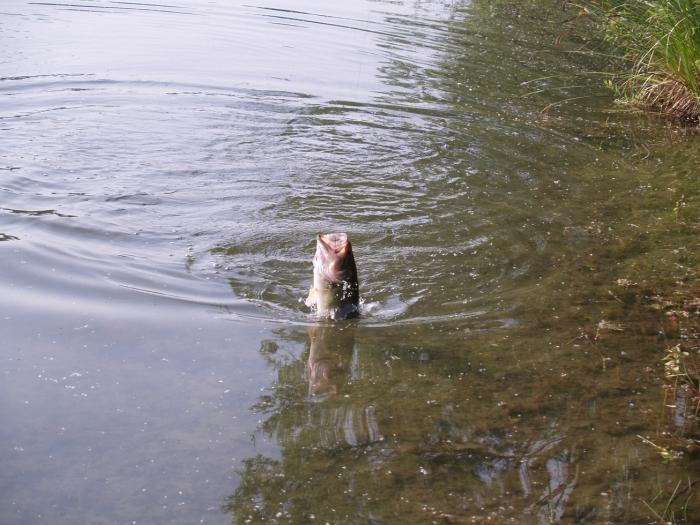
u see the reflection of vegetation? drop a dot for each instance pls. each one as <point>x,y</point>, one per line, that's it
<point>422,432</point>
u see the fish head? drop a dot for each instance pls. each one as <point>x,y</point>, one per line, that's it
<point>333,260</point>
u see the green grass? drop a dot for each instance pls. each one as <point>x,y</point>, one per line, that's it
<point>658,42</point>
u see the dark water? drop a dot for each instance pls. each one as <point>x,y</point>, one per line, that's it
<point>163,171</point>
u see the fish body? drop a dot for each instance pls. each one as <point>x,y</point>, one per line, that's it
<point>335,292</point>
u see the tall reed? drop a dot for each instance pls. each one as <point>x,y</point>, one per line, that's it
<point>659,41</point>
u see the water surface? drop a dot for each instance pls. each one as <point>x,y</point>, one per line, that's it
<point>164,169</point>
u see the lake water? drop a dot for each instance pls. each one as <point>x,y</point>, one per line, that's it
<point>164,169</point>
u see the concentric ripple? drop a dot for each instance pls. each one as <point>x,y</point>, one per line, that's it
<point>206,183</point>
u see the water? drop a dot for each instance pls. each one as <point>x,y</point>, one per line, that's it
<point>164,169</point>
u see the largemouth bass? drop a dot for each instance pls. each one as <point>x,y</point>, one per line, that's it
<point>335,293</point>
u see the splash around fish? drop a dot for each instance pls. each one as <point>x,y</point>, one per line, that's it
<point>335,292</point>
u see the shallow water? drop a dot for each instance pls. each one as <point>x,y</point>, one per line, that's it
<point>163,172</point>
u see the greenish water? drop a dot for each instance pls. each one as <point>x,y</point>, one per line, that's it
<point>164,171</point>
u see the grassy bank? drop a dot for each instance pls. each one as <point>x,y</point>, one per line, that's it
<point>657,43</point>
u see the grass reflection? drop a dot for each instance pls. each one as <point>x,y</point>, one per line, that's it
<point>380,425</point>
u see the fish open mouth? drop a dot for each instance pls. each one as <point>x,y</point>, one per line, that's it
<point>333,242</point>
<point>331,251</point>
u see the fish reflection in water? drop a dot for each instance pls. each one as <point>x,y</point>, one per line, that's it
<point>328,371</point>
<point>330,356</point>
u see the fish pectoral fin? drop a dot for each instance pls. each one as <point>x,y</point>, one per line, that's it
<point>311,299</point>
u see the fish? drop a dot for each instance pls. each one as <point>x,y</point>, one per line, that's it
<point>335,292</point>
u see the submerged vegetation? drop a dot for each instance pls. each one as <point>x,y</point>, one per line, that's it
<point>674,316</point>
<point>658,44</point>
